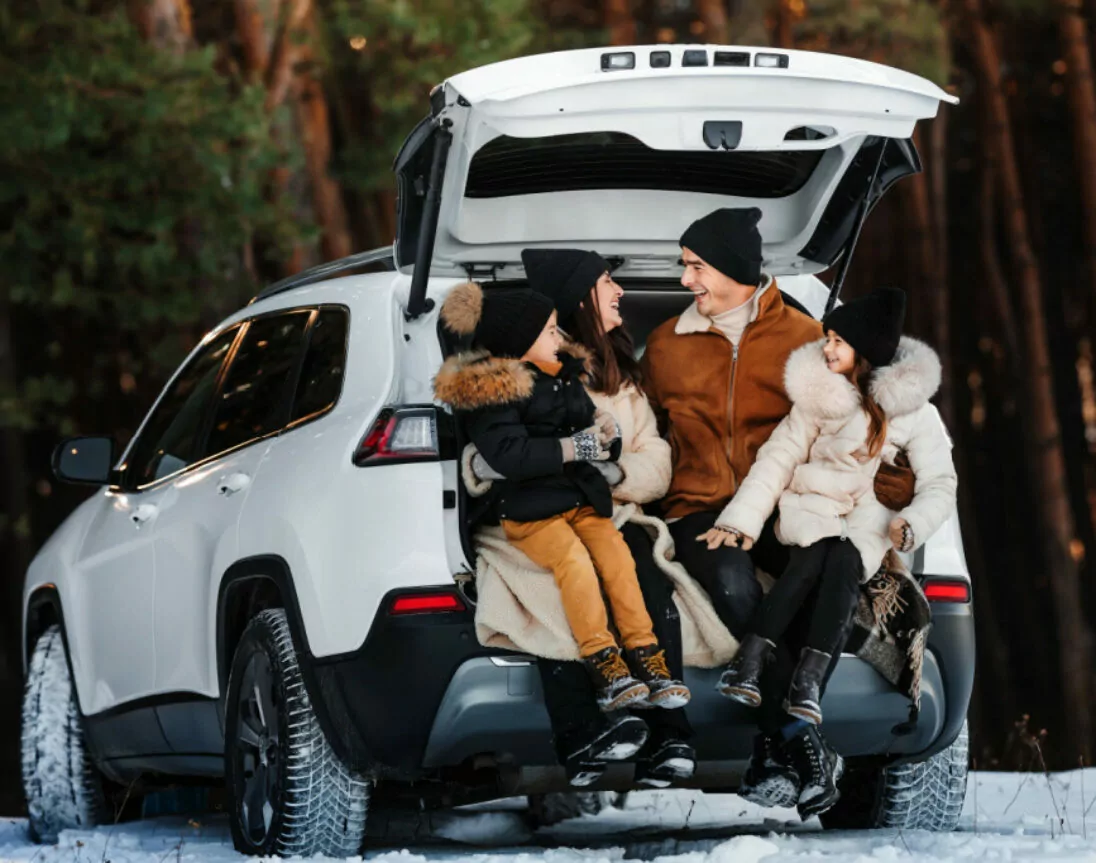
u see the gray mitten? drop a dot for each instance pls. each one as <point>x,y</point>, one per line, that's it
<point>483,470</point>
<point>611,471</point>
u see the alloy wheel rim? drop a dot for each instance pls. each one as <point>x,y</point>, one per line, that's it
<point>257,755</point>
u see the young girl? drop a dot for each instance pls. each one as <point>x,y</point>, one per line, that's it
<point>858,398</point>
<point>522,401</point>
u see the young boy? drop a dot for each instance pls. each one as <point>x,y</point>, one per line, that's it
<point>523,404</point>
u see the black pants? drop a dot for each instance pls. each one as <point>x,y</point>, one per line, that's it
<point>727,574</point>
<point>831,568</point>
<point>569,694</point>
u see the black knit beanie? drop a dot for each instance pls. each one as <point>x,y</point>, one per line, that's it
<point>504,321</point>
<point>872,325</point>
<point>728,240</point>
<point>565,275</point>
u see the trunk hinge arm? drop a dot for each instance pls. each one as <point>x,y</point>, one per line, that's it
<point>861,217</point>
<point>417,303</point>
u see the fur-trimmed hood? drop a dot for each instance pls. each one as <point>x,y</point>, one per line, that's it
<point>477,379</point>
<point>900,388</point>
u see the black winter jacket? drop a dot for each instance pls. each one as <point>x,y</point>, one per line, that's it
<point>515,414</point>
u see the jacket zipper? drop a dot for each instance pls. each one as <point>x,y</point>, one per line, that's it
<point>730,404</point>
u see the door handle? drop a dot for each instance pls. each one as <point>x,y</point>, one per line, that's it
<point>234,482</point>
<point>143,514</point>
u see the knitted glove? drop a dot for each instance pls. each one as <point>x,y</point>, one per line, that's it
<point>483,470</point>
<point>611,471</point>
<point>583,446</point>
<point>901,535</point>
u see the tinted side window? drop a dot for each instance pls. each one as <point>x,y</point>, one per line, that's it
<point>252,400</point>
<point>169,441</point>
<point>322,374</point>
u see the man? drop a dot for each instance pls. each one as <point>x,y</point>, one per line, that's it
<point>715,376</point>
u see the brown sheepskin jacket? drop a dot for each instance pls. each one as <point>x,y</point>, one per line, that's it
<point>718,404</point>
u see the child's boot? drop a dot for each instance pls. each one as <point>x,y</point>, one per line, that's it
<point>616,687</point>
<point>742,679</point>
<point>648,664</point>
<point>804,695</point>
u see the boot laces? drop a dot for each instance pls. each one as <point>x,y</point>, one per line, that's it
<point>613,667</point>
<point>656,664</point>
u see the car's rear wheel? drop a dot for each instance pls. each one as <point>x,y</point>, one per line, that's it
<point>63,789</point>
<point>924,796</point>
<point>290,794</point>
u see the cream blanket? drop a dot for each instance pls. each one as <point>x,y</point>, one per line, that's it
<point>519,606</point>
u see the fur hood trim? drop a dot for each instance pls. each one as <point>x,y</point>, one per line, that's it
<point>463,308</point>
<point>476,379</point>
<point>900,388</point>
<point>912,378</point>
<point>814,388</point>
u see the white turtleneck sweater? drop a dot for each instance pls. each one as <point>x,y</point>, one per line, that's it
<point>733,322</point>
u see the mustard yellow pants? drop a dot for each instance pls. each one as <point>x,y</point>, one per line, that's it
<point>580,546</point>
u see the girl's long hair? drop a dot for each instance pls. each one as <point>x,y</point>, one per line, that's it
<point>614,364</point>
<point>861,376</point>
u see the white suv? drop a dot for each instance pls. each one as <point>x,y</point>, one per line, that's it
<point>270,584</point>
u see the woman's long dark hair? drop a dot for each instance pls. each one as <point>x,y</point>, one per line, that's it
<point>614,364</point>
<point>877,420</point>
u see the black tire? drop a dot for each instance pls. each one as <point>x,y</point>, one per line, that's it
<point>924,796</point>
<point>289,793</point>
<point>63,788</point>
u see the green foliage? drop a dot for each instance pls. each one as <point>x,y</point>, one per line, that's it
<point>907,34</point>
<point>131,180</point>
<point>382,87</point>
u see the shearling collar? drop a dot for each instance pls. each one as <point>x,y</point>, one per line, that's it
<point>900,388</point>
<point>692,321</point>
<point>477,379</point>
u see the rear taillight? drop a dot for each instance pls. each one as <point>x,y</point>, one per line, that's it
<point>940,590</point>
<point>426,603</point>
<point>400,435</point>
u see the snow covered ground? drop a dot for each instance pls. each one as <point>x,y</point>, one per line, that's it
<point>1008,817</point>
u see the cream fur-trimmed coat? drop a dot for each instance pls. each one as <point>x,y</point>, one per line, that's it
<point>519,605</point>
<point>816,465</point>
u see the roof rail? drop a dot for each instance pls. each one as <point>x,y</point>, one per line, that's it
<point>321,272</point>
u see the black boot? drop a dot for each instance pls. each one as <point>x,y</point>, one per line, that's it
<point>648,664</point>
<point>770,780</point>
<point>742,679</point>
<point>804,695</point>
<point>616,687</point>
<point>668,761</point>
<point>618,738</point>
<point>820,769</point>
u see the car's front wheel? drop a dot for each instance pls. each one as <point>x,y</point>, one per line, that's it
<point>290,793</point>
<point>924,796</point>
<point>63,789</point>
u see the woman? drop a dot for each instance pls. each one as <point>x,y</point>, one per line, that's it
<point>588,304</point>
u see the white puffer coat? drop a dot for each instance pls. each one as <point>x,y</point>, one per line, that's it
<point>816,464</point>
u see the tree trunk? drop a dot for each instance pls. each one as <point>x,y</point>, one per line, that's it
<point>991,265</point>
<point>713,14</point>
<point>620,22</point>
<point>1073,32</point>
<point>15,534</point>
<point>1056,528</point>
<point>940,290</point>
<point>782,36</point>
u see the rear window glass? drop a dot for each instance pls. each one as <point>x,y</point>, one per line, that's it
<point>324,365</point>
<point>612,160</point>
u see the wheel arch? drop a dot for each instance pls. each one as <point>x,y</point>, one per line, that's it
<point>249,586</point>
<point>42,610</point>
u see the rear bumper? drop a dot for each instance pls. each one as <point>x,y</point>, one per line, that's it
<point>422,694</point>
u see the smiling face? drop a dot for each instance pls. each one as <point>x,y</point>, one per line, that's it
<point>607,294</point>
<point>840,357</point>
<point>547,345</point>
<point>713,291</point>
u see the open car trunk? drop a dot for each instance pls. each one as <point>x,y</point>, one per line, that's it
<point>620,150</point>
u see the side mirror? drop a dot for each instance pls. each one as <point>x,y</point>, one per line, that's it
<point>84,460</point>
